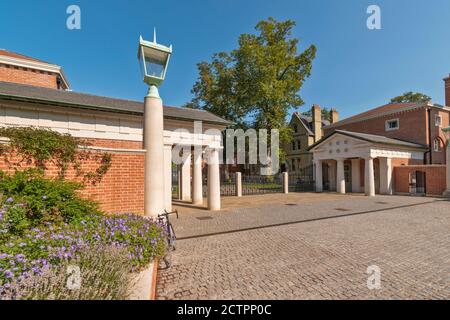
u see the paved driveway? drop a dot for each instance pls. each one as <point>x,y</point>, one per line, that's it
<point>318,248</point>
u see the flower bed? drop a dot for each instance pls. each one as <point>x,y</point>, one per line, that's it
<point>42,248</point>
<point>45,226</point>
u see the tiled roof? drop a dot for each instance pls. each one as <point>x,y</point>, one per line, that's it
<point>20,92</point>
<point>372,138</point>
<point>307,122</point>
<point>379,111</point>
<point>10,54</point>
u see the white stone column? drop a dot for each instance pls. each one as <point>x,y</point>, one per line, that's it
<point>447,192</point>
<point>186,175</point>
<point>385,176</point>
<point>340,176</point>
<point>319,177</point>
<point>239,184</point>
<point>356,180</point>
<point>213,180</point>
<point>154,156</point>
<point>197,180</point>
<point>179,181</point>
<point>168,177</point>
<point>332,175</point>
<point>285,178</point>
<point>369,178</point>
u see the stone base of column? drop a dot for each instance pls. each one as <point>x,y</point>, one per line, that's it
<point>447,194</point>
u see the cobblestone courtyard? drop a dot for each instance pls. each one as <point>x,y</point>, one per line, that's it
<point>310,246</point>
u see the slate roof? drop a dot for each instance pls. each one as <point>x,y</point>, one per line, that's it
<point>372,138</point>
<point>27,93</point>
<point>307,122</point>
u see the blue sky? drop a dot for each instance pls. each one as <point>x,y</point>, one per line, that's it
<point>355,68</point>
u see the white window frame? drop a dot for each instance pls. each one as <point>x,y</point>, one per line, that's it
<point>387,126</point>
<point>437,143</point>
<point>436,122</point>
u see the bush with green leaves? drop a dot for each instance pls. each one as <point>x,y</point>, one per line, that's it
<point>39,148</point>
<point>30,199</point>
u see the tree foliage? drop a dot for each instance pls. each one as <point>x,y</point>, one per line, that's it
<point>411,97</point>
<point>257,84</point>
<point>36,147</point>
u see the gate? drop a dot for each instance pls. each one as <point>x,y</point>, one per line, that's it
<point>303,180</point>
<point>417,182</point>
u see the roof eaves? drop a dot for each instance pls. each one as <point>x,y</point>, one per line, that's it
<point>378,115</point>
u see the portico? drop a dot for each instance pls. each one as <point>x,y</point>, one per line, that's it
<point>359,162</point>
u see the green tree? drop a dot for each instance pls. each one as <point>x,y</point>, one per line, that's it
<point>413,97</point>
<point>257,84</point>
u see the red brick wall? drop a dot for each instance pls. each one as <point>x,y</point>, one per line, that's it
<point>436,132</point>
<point>412,126</point>
<point>122,188</point>
<point>435,178</point>
<point>28,76</point>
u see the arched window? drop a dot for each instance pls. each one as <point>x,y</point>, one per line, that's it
<point>437,145</point>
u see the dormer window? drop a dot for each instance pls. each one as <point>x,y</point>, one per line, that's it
<point>393,124</point>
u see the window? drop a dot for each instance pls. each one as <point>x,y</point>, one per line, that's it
<point>295,128</point>
<point>437,145</point>
<point>299,145</point>
<point>393,124</point>
<point>293,164</point>
<point>293,145</point>
<point>437,120</point>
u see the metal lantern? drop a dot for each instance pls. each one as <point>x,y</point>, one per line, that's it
<point>154,59</point>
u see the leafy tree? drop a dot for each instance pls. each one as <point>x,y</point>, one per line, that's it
<point>413,97</point>
<point>257,84</point>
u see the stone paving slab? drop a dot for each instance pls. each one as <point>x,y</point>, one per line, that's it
<point>407,238</point>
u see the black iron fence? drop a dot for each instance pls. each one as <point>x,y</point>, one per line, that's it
<point>302,180</point>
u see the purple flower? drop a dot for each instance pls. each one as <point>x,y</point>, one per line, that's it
<point>44,197</point>
<point>8,274</point>
<point>9,200</point>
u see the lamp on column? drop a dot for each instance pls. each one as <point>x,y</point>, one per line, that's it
<point>154,59</point>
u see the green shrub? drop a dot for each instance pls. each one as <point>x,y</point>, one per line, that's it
<point>30,199</point>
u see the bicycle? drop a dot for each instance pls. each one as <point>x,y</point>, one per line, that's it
<point>171,237</point>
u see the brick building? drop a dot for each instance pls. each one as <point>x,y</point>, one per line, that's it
<point>401,147</point>
<point>306,131</point>
<point>36,93</point>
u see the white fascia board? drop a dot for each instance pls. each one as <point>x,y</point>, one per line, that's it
<point>35,65</point>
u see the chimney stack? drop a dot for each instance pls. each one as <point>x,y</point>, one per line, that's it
<point>334,115</point>
<point>316,112</point>
<point>447,91</point>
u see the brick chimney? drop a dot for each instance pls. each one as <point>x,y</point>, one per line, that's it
<point>334,115</point>
<point>447,91</point>
<point>316,112</point>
